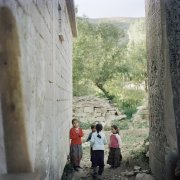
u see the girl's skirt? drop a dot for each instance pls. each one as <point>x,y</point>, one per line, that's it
<point>75,154</point>
<point>115,157</point>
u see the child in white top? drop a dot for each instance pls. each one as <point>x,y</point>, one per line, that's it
<point>98,140</point>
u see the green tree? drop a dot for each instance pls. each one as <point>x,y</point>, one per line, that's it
<point>103,64</point>
<point>136,53</point>
<point>97,54</point>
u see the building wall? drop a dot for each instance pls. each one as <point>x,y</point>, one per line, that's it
<point>46,73</point>
<point>162,117</point>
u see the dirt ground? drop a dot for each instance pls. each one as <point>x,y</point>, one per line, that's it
<point>132,152</point>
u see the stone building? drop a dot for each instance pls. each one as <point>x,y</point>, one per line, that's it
<point>163,48</point>
<point>35,85</point>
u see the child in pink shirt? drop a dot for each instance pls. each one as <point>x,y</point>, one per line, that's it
<point>115,143</point>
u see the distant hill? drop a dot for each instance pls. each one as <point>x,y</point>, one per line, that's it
<point>122,23</point>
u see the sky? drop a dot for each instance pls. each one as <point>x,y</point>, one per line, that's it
<point>110,8</point>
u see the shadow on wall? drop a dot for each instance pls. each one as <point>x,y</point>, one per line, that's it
<point>13,119</point>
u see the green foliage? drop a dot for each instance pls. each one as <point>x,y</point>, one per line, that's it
<point>96,54</point>
<point>104,65</point>
<point>129,100</point>
<point>143,124</point>
<point>85,125</point>
<point>122,125</point>
<point>139,154</point>
<point>136,52</point>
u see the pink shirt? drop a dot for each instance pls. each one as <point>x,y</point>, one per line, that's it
<point>115,141</point>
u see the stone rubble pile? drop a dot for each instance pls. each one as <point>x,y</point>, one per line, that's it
<point>137,174</point>
<point>93,109</point>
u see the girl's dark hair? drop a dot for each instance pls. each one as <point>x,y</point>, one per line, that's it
<point>99,127</point>
<point>116,128</point>
<point>93,126</point>
<point>74,120</point>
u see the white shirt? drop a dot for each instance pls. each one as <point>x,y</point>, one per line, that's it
<point>98,143</point>
<point>119,140</point>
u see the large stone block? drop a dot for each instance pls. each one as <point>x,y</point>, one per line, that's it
<point>88,109</point>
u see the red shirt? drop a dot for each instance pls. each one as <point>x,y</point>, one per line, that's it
<point>75,135</point>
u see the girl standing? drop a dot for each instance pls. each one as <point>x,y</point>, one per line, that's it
<point>76,134</point>
<point>98,140</point>
<point>115,157</point>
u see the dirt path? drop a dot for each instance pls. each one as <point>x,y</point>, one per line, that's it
<point>132,142</point>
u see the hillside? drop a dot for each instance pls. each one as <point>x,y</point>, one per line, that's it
<point>122,23</point>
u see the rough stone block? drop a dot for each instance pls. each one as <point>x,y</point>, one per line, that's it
<point>88,109</point>
<point>143,176</point>
<point>109,117</point>
<point>97,114</point>
<point>100,119</point>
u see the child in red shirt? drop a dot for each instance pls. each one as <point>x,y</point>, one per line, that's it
<point>76,144</point>
<point>115,157</point>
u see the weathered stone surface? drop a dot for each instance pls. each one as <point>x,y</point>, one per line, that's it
<point>95,109</point>
<point>88,109</point>
<point>128,173</point>
<point>162,19</point>
<point>45,65</point>
<point>20,177</point>
<point>143,176</point>
<point>137,168</point>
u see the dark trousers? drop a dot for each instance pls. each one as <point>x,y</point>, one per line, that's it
<point>98,160</point>
<point>91,152</point>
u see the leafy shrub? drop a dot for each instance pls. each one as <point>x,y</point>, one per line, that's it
<point>139,154</point>
<point>129,101</point>
<point>85,125</point>
<point>129,106</point>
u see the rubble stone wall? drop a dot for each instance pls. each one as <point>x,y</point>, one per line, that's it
<point>93,109</point>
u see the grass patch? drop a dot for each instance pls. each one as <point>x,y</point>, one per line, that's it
<point>141,125</point>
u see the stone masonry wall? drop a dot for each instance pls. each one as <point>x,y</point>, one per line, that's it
<point>93,109</point>
<point>161,111</point>
<point>46,72</point>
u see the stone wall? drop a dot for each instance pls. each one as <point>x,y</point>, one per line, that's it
<point>94,109</point>
<point>161,109</point>
<point>45,68</point>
